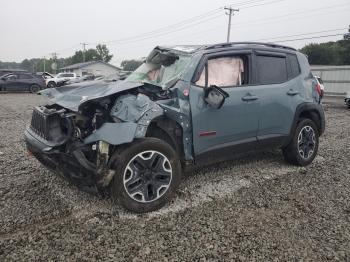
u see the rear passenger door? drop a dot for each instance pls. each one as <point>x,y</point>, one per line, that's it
<point>24,81</point>
<point>276,76</point>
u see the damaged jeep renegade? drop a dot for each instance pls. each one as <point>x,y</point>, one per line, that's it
<point>184,106</point>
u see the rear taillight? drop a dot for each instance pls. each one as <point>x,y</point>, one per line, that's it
<point>318,89</point>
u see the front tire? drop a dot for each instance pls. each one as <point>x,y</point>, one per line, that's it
<point>51,84</point>
<point>303,148</point>
<point>148,172</point>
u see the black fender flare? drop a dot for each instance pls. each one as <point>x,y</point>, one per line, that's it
<point>315,111</point>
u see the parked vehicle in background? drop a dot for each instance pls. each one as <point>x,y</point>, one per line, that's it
<point>60,79</point>
<point>184,106</point>
<point>320,85</point>
<point>86,77</point>
<point>347,99</point>
<point>8,71</point>
<point>22,82</point>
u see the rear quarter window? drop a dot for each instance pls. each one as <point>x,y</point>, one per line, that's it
<point>271,69</point>
<point>293,66</point>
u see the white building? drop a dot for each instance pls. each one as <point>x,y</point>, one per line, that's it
<point>97,68</point>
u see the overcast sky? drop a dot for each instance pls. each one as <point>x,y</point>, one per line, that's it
<point>36,28</point>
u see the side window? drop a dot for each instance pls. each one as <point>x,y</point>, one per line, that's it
<point>25,76</point>
<point>224,72</point>
<point>271,69</point>
<point>293,68</point>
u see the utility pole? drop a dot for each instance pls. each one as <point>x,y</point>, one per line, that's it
<point>84,49</point>
<point>347,35</point>
<point>54,64</point>
<point>44,64</point>
<point>231,12</point>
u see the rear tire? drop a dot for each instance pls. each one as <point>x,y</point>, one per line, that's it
<point>303,148</point>
<point>34,89</point>
<point>148,172</point>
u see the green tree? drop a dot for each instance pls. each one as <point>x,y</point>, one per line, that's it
<point>330,53</point>
<point>103,53</point>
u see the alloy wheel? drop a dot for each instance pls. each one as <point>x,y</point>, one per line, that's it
<point>306,142</point>
<point>147,176</point>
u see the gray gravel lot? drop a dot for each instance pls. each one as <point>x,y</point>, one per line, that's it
<point>256,208</point>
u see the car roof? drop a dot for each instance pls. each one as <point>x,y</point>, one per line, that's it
<point>228,46</point>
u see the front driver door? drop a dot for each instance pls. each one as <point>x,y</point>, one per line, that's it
<point>233,127</point>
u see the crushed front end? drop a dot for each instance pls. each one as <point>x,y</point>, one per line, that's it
<point>55,137</point>
<point>81,130</point>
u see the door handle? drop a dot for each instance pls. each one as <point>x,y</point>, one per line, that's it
<point>249,97</point>
<point>292,92</point>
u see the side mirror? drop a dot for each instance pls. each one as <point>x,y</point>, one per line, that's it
<point>215,96</point>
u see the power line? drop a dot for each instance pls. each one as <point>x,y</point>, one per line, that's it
<point>160,30</point>
<point>310,33</point>
<point>293,14</point>
<point>307,38</point>
<point>168,32</point>
<point>262,4</point>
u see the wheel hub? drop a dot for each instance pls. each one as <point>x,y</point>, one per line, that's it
<point>306,142</point>
<point>147,176</point>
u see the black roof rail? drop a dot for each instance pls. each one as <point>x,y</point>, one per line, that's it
<point>231,44</point>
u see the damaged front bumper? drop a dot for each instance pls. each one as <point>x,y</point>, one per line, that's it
<point>73,165</point>
<point>59,152</point>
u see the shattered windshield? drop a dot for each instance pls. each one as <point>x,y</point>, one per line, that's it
<point>160,68</point>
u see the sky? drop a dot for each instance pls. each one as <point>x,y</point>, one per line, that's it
<point>130,29</point>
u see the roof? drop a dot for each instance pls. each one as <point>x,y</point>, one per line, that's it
<point>195,48</point>
<point>85,64</point>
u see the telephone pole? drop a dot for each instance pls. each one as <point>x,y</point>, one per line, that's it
<point>231,12</point>
<point>84,49</point>
<point>54,64</point>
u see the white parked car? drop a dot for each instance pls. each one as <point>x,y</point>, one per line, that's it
<point>60,79</point>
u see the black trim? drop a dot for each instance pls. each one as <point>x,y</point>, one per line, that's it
<point>223,45</point>
<point>225,151</point>
<point>270,53</point>
<point>307,107</point>
<point>271,141</point>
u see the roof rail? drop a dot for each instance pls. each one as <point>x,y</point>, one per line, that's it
<point>223,45</point>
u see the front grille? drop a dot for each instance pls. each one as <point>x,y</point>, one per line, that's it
<point>40,124</point>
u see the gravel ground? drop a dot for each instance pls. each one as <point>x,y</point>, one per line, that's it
<point>256,208</point>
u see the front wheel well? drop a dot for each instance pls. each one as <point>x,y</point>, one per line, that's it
<point>169,131</point>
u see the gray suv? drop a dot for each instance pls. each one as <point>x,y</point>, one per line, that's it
<point>184,106</point>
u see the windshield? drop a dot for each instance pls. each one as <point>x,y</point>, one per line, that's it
<point>160,68</point>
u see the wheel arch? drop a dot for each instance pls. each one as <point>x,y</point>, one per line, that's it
<point>310,111</point>
<point>168,130</point>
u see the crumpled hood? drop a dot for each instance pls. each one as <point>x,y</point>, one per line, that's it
<point>73,96</point>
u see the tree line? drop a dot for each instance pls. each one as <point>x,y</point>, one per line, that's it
<point>330,53</point>
<point>100,53</point>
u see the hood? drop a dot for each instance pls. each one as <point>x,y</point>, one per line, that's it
<point>73,96</point>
